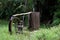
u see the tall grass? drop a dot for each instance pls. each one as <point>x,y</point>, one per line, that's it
<point>52,33</point>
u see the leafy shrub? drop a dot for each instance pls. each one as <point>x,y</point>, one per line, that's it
<point>56,21</point>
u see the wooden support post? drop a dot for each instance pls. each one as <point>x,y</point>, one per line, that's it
<point>34,20</point>
<point>23,20</point>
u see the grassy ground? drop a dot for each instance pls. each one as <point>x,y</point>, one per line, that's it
<point>52,33</point>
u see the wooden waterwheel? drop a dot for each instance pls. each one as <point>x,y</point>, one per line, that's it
<point>33,21</point>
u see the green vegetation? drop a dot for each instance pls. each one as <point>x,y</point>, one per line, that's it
<point>52,33</point>
<point>49,11</point>
<point>10,7</point>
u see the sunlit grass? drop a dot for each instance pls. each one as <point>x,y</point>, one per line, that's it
<point>52,33</point>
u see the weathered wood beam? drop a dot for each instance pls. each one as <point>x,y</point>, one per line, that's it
<point>22,14</point>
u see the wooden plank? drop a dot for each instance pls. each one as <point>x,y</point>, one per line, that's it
<point>22,14</point>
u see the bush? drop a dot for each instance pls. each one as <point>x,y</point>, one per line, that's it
<point>56,21</point>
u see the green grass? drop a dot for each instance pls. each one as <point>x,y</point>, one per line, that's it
<point>52,33</point>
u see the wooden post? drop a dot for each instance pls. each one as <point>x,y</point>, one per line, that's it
<point>34,20</point>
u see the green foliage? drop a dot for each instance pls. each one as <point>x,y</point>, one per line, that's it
<point>10,7</point>
<point>56,21</point>
<point>52,33</point>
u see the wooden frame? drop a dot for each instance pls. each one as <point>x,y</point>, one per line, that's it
<point>33,20</point>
